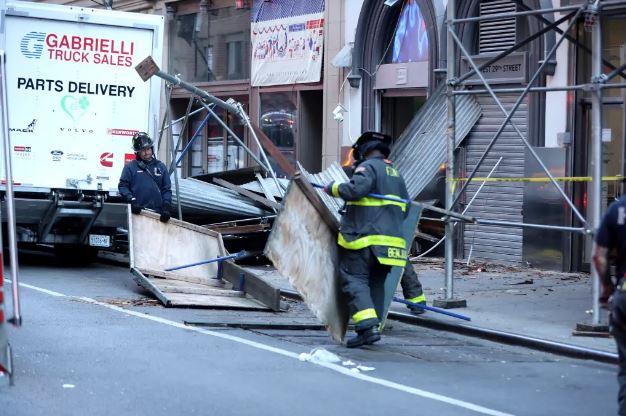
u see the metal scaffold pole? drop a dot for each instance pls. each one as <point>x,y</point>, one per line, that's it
<point>449,301</point>
<point>596,136</point>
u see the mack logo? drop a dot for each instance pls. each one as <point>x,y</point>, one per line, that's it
<point>32,44</point>
<point>28,129</point>
<point>106,159</point>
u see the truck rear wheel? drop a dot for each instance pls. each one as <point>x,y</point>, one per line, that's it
<point>76,254</point>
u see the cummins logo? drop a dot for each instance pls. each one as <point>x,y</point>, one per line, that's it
<point>32,44</point>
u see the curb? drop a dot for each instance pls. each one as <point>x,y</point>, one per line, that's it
<point>509,338</point>
<point>501,337</point>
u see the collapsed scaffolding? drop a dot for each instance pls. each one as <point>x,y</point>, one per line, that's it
<point>455,83</point>
<point>455,87</point>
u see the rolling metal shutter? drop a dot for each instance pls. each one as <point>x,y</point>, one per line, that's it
<point>497,200</point>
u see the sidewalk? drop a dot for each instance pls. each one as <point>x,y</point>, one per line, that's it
<point>531,302</point>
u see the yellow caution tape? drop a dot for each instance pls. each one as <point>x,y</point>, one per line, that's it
<point>544,179</point>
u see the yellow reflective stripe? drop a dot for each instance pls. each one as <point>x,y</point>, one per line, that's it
<point>371,240</point>
<point>391,262</point>
<point>375,202</point>
<point>420,298</point>
<point>335,189</point>
<point>364,314</point>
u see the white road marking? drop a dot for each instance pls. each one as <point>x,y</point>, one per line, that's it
<point>331,366</point>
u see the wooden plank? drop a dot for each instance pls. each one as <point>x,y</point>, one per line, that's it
<point>191,279</point>
<point>181,299</point>
<point>176,286</point>
<point>183,224</point>
<point>274,151</point>
<point>254,285</point>
<point>246,193</point>
<point>242,229</point>
<point>144,282</point>
<point>303,248</point>
<point>307,189</point>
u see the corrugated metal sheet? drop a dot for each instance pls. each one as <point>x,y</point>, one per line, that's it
<point>497,200</point>
<point>202,198</point>
<point>421,148</point>
<point>333,173</point>
<point>269,184</point>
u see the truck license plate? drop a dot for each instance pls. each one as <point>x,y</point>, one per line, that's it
<point>96,240</point>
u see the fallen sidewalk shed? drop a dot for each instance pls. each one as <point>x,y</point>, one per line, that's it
<point>178,242</point>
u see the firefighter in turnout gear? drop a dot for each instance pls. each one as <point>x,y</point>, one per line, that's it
<point>411,286</point>
<point>370,236</point>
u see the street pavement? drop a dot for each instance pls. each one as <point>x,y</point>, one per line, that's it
<point>92,343</point>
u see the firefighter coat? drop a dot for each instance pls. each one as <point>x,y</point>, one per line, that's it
<point>371,222</point>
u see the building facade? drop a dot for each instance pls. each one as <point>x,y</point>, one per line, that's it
<point>315,74</point>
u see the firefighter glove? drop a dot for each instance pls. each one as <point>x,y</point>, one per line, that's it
<point>329,189</point>
<point>134,208</point>
<point>165,215</point>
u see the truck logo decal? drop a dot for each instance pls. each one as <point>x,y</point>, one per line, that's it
<point>22,152</point>
<point>122,132</point>
<point>56,155</point>
<point>32,44</point>
<point>79,49</point>
<point>74,107</point>
<point>28,129</point>
<point>106,159</point>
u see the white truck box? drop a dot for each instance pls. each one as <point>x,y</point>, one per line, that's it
<point>74,102</point>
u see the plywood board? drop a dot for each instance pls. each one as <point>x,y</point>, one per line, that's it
<point>303,248</point>
<point>382,303</point>
<point>157,246</point>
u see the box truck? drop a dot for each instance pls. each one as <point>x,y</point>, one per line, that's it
<point>74,103</point>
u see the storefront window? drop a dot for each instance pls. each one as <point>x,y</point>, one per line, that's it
<point>410,40</point>
<point>278,121</point>
<point>214,150</point>
<point>211,46</point>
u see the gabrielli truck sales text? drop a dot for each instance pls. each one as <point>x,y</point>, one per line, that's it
<point>90,50</point>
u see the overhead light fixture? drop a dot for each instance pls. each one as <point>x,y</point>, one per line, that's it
<point>391,3</point>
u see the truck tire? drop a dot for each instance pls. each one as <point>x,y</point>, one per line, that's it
<point>75,254</point>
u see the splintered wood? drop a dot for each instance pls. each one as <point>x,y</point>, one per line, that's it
<point>303,248</point>
<point>155,247</point>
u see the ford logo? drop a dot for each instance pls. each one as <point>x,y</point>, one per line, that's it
<point>56,153</point>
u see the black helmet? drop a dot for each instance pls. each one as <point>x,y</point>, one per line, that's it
<point>369,141</point>
<point>141,141</point>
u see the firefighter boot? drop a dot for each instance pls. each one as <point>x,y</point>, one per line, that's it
<point>416,310</point>
<point>365,337</point>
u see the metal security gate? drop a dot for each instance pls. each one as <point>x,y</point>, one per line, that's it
<point>501,201</point>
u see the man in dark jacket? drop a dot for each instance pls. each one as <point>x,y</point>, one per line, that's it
<point>145,182</point>
<point>370,236</point>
